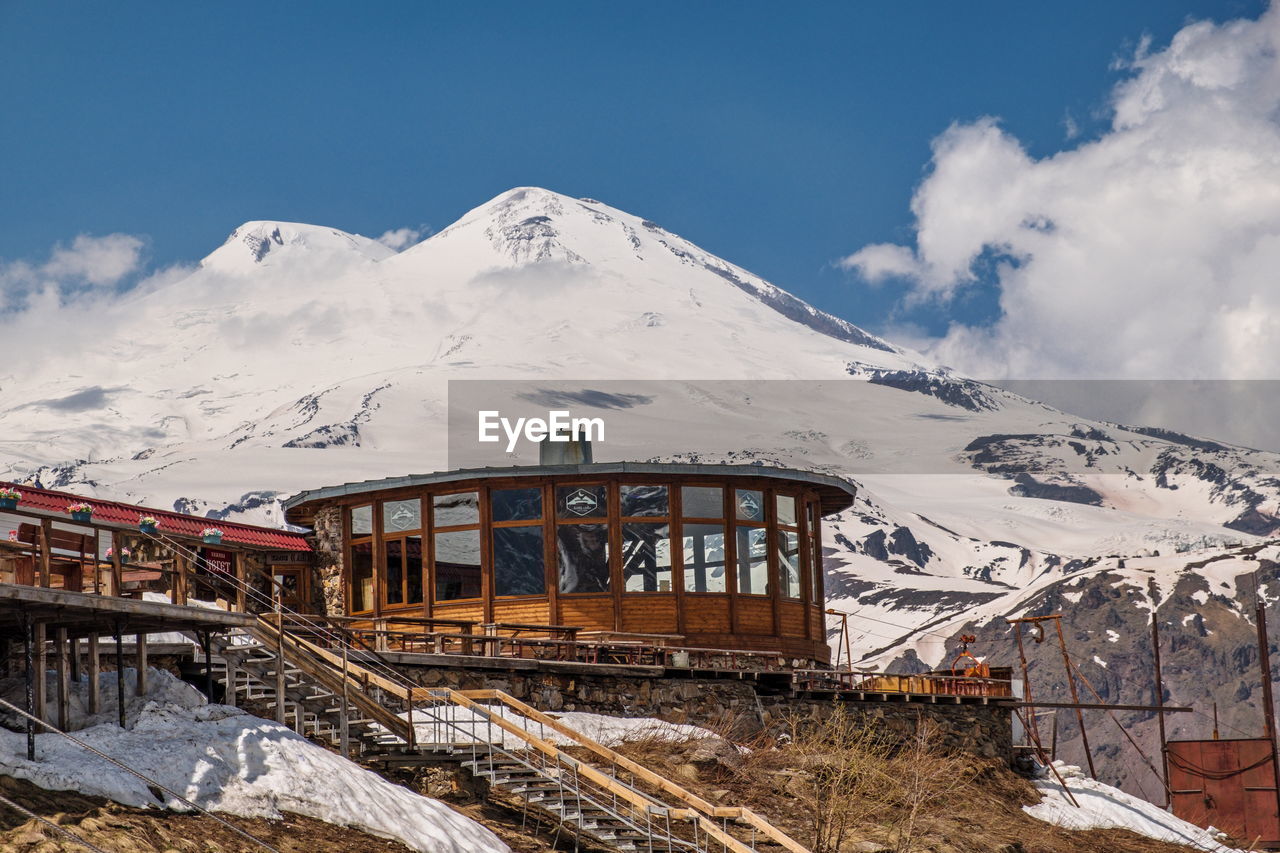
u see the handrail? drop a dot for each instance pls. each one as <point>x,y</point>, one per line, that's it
<point>664,784</point>
<point>614,786</point>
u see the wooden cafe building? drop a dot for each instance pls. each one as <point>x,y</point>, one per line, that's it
<point>701,556</point>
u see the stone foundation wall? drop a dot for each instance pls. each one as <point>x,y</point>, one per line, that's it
<point>730,706</point>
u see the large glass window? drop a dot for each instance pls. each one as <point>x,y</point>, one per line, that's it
<point>362,577</point>
<point>753,560</point>
<point>362,521</point>
<point>582,555</point>
<point>789,563</point>
<point>413,560</point>
<point>457,562</point>
<point>646,557</point>
<point>702,501</point>
<point>643,501</point>
<point>574,502</point>
<point>516,504</point>
<point>703,551</point>
<point>393,570</point>
<point>519,563</point>
<point>814,518</point>
<point>456,509</point>
<point>786,510</point>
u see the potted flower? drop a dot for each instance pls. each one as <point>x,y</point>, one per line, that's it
<point>80,511</point>
<point>147,523</point>
<point>9,498</point>
<point>211,536</point>
<point>125,554</point>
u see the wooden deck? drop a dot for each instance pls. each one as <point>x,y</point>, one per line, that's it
<point>82,613</point>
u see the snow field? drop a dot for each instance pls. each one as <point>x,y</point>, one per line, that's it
<point>225,760</point>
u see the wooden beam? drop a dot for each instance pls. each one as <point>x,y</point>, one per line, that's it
<point>237,563</point>
<point>42,542</point>
<point>42,666</point>
<point>61,647</point>
<point>94,671</point>
<point>141,650</point>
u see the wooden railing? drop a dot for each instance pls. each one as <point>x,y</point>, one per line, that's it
<point>700,813</point>
<point>930,684</point>
<point>639,771</point>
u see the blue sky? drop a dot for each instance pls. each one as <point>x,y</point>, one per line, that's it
<point>779,136</point>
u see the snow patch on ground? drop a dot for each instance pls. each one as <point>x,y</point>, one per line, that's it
<point>454,724</point>
<point>1112,636</point>
<point>226,760</point>
<point>1099,661</point>
<point>1104,807</point>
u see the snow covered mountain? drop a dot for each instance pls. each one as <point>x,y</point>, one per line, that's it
<point>296,356</point>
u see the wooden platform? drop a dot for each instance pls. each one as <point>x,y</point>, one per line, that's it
<point>83,613</point>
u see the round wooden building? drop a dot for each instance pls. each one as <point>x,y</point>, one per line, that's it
<point>706,556</point>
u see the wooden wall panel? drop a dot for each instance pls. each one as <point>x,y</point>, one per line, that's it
<point>649,614</point>
<point>591,614</point>
<point>472,610</point>
<point>706,614</point>
<point>754,615</point>
<point>792,613</point>
<point>529,612</point>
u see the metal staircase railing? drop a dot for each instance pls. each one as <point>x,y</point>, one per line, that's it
<point>590,802</point>
<point>586,800</point>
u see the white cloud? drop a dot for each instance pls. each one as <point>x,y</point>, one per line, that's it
<point>95,260</point>
<point>1152,251</point>
<point>401,238</point>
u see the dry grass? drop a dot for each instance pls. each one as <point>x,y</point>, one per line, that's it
<point>838,785</point>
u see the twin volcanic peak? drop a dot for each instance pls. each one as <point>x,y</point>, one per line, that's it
<point>296,356</point>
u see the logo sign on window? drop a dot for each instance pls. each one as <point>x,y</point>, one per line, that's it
<point>216,561</point>
<point>402,518</point>
<point>581,503</point>
<point>749,505</point>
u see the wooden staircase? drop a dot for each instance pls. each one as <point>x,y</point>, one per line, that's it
<point>370,711</point>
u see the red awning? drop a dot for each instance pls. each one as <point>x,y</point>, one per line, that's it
<point>173,523</point>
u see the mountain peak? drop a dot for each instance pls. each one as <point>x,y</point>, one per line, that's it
<point>264,241</point>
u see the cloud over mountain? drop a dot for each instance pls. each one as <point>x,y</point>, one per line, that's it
<point>1150,251</point>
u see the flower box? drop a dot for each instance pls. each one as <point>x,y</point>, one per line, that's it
<point>211,536</point>
<point>9,498</point>
<point>80,512</point>
<point>147,524</point>
<point>8,503</point>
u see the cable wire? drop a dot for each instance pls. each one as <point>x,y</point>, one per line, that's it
<point>61,830</point>
<point>54,729</point>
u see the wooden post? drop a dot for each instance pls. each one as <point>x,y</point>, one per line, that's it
<point>28,640</point>
<point>1164,749</point>
<point>344,732</point>
<point>1075,698</point>
<point>178,592</point>
<point>279,667</point>
<point>1268,701</point>
<point>208,667</point>
<point>75,658</point>
<point>117,565</point>
<point>237,563</point>
<point>42,539</point>
<point>95,670</point>
<point>229,696</point>
<point>42,664</point>
<point>61,647</point>
<point>120,672</point>
<point>141,648</point>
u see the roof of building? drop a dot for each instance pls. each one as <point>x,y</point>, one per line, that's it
<point>119,515</point>
<point>836,494</point>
